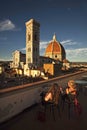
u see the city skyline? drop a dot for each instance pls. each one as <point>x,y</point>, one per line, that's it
<point>67,19</point>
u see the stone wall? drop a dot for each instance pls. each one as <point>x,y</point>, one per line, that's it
<point>15,99</point>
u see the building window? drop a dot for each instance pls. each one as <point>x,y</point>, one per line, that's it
<point>29,59</point>
<point>29,49</point>
<point>16,60</point>
<point>35,37</point>
<point>29,37</point>
<point>55,56</point>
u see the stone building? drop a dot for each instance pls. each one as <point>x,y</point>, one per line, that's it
<point>19,59</point>
<point>32,42</point>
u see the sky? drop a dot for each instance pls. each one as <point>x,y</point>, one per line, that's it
<point>66,18</point>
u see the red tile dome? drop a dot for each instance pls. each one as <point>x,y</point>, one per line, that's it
<point>54,49</point>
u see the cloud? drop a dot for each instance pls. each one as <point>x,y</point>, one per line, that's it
<point>77,51</point>
<point>23,49</point>
<point>6,59</point>
<point>68,42</point>
<point>43,45</point>
<point>1,59</point>
<point>7,25</point>
<point>79,54</point>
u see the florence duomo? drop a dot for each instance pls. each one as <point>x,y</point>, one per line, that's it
<point>32,63</point>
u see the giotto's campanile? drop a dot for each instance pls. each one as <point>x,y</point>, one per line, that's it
<point>32,42</point>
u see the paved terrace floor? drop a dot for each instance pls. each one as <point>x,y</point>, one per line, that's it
<point>27,120</point>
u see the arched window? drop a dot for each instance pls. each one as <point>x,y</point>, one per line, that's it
<point>29,49</point>
<point>29,59</point>
<point>29,37</point>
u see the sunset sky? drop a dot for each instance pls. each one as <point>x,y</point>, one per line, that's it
<point>66,18</point>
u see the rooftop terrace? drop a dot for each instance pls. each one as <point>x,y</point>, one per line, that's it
<point>27,120</point>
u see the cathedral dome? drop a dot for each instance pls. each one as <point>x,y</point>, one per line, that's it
<point>55,50</point>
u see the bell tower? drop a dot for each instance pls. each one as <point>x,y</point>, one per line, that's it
<point>32,42</point>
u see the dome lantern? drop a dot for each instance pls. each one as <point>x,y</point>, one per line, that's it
<point>54,37</point>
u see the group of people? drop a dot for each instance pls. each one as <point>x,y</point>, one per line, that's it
<point>57,96</point>
<point>55,91</point>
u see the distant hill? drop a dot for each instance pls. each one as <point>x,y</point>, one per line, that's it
<point>79,63</point>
